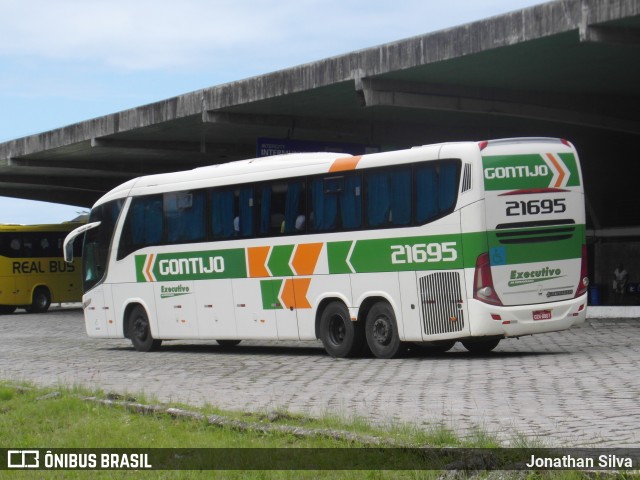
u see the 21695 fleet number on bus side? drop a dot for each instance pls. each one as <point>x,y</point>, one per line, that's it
<point>424,253</point>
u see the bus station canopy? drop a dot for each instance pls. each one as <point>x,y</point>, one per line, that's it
<point>567,68</point>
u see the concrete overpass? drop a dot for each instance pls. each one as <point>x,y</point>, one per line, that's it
<point>567,68</point>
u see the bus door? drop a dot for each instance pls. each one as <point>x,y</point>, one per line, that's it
<point>535,221</point>
<point>97,314</point>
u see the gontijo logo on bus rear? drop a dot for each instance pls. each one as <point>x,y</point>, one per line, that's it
<point>514,172</point>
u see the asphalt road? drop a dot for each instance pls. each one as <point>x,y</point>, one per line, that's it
<point>574,388</point>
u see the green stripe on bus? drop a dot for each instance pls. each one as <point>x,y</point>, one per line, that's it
<point>337,252</point>
<point>278,263</point>
<point>434,252</point>
<point>270,290</point>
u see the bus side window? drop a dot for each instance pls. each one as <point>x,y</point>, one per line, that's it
<point>436,190</point>
<point>15,246</point>
<point>389,197</point>
<point>245,212</point>
<point>223,214</point>
<point>184,216</point>
<point>144,225</point>
<point>10,245</point>
<point>295,208</point>
<point>267,193</point>
<point>28,248</point>
<point>282,208</point>
<point>336,203</point>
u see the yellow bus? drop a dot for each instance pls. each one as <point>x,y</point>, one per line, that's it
<point>33,273</point>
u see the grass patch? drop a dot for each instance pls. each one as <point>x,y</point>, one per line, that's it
<point>64,418</point>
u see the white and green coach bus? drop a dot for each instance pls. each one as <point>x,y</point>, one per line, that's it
<point>470,242</point>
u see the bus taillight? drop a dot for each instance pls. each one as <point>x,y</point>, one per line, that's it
<point>483,288</point>
<point>583,284</point>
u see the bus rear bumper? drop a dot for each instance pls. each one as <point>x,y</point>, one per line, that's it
<point>516,321</point>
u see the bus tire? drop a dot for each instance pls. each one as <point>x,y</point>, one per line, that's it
<point>382,331</point>
<point>481,346</point>
<point>228,343</point>
<point>40,301</point>
<point>340,336</point>
<point>140,331</point>
<point>7,309</point>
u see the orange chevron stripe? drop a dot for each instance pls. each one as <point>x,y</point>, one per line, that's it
<point>294,293</point>
<point>559,168</point>
<point>257,259</point>
<point>149,265</point>
<point>344,163</point>
<point>306,257</point>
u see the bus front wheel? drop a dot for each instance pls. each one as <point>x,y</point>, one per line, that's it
<point>140,331</point>
<point>340,336</point>
<point>41,301</point>
<point>382,331</point>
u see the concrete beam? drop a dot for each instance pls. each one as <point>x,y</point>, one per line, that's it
<point>20,166</point>
<point>629,37</point>
<point>291,123</point>
<point>564,109</point>
<point>50,193</point>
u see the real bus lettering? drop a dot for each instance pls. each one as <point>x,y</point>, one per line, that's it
<point>22,268</point>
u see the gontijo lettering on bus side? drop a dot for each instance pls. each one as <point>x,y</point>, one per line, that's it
<point>203,265</point>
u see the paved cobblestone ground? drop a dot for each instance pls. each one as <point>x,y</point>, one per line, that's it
<point>573,388</point>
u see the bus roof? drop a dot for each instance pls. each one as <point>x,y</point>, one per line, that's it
<point>282,166</point>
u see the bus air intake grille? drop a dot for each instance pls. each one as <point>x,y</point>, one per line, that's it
<point>441,303</point>
<point>466,177</point>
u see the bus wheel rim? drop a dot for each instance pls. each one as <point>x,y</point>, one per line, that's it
<point>337,329</point>
<point>382,330</point>
<point>140,328</point>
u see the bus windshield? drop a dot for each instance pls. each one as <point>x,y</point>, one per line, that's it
<point>97,242</point>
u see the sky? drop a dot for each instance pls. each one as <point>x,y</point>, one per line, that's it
<point>66,61</point>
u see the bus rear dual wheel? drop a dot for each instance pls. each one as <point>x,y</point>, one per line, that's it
<point>343,338</point>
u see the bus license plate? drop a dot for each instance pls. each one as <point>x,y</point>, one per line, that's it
<point>542,314</point>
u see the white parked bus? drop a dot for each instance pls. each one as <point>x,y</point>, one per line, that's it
<point>470,242</point>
